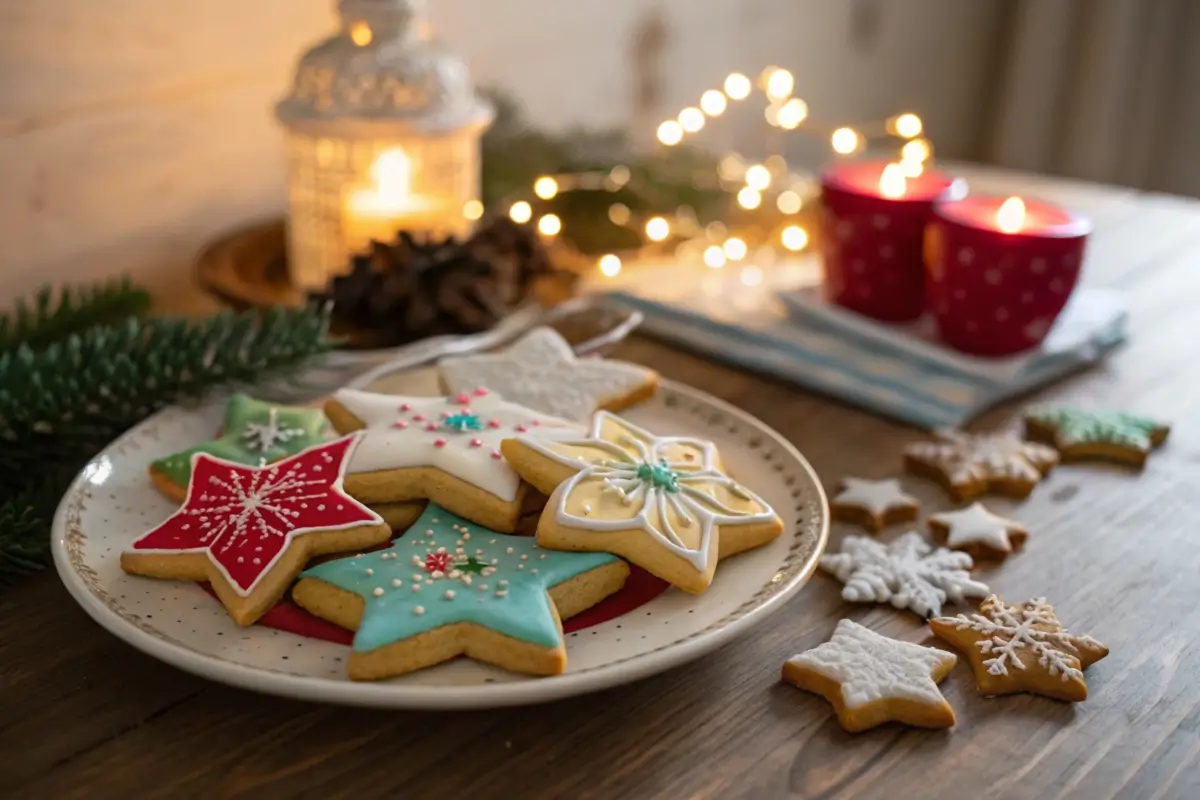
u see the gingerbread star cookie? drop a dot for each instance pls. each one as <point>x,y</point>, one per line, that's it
<point>254,432</point>
<point>1101,435</point>
<point>540,371</point>
<point>445,449</point>
<point>449,587</point>
<point>250,530</point>
<point>978,532</point>
<point>664,503</point>
<point>871,679</point>
<point>1021,648</point>
<point>908,573</point>
<point>970,465</point>
<point>873,504</point>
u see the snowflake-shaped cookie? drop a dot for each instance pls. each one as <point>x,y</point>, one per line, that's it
<point>908,573</point>
<point>1104,435</point>
<point>1021,648</point>
<point>978,531</point>
<point>969,465</point>
<point>873,504</point>
<point>871,679</point>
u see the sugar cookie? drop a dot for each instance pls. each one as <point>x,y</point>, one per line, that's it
<point>871,679</point>
<point>1021,648</point>
<point>969,465</point>
<point>540,371</point>
<point>978,532</point>
<point>449,587</point>
<point>663,503</point>
<point>444,449</point>
<point>250,530</point>
<point>873,504</point>
<point>1081,435</point>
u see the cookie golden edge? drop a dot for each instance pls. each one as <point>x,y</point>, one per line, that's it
<point>874,523</point>
<point>970,490</point>
<point>878,712</point>
<point>271,587</point>
<point>571,597</point>
<point>978,551</point>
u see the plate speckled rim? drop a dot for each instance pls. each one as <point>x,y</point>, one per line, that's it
<point>780,570</point>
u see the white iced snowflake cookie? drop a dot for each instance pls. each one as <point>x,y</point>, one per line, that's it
<point>970,465</point>
<point>1022,648</point>
<point>908,573</point>
<point>541,372</point>
<point>978,532</point>
<point>873,504</point>
<point>871,679</point>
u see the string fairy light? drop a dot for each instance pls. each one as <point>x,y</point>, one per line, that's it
<point>549,225</point>
<point>737,86</point>
<point>713,102</point>
<point>610,265</point>
<point>545,187</point>
<point>691,119</point>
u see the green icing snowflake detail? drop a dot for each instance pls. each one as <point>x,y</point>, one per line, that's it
<point>659,476</point>
<point>1076,426</point>
<point>463,421</point>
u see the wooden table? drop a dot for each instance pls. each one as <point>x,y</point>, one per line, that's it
<point>81,713</point>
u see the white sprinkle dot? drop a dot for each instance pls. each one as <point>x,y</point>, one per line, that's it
<point>397,582</point>
<point>482,587</point>
<point>417,576</point>
<point>449,595</point>
<point>434,520</point>
<point>534,571</point>
<point>520,566</point>
<point>378,591</point>
<point>458,543</point>
<point>524,556</point>
<point>419,610</point>
<point>321,507</point>
<point>466,535</point>
<point>370,571</point>
<point>258,561</point>
<point>495,561</point>
<point>501,592</point>
<point>543,555</point>
<point>416,587</point>
<point>508,550</point>
<point>241,560</point>
<point>491,541</point>
<point>504,583</point>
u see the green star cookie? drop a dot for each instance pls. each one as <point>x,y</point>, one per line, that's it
<point>253,432</point>
<point>449,587</point>
<point>1105,435</point>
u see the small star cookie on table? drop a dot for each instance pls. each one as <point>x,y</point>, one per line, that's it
<point>1022,648</point>
<point>978,532</point>
<point>664,503</point>
<point>969,465</point>
<point>908,573</point>
<point>250,530</point>
<point>253,432</point>
<point>444,449</point>
<point>448,588</point>
<point>871,679</point>
<point>873,504</point>
<point>541,371</point>
<point>1081,435</point>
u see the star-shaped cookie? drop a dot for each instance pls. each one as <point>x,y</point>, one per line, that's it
<point>449,587</point>
<point>871,679</point>
<point>540,371</point>
<point>908,573</point>
<point>1104,435</point>
<point>1021,648</point>
<point>445,449</point>
<point>970,465</point>
<point>663,503</point>
<point>254,432</point>
<point>873,504</point>
<point>978,532</point>
<point>250,530</point>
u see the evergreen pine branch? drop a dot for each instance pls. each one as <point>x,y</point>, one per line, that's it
<point>60,405</point>
<point>49,319</point>
<point>25,520</point>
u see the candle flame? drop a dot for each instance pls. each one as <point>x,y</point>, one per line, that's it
<point>892,182</point>
<point>1010,218</point>
<point>392,172</point>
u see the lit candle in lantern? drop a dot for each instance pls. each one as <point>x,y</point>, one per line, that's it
<point>388,205</point>
<point>1000,270</point>
<point>873,220</point>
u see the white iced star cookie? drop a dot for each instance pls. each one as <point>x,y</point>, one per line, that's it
<point>871,679</point>
<point>873,504</point>
<point>908,573</point>
<point>541,372</point>
<point>444,449</point>
<point>663,503</point>
<point>978,532</point>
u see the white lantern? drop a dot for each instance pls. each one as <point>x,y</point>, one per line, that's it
<point>383,129</point>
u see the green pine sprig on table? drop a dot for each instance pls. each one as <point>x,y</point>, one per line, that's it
<point>52,317</point>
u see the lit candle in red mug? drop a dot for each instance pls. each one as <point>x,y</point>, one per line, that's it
<point>873,217</point>
<point>1000,270</point>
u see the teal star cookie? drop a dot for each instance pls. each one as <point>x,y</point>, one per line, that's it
<point>1106,435</point>
<point>254,431</point>
<point>449,587</point>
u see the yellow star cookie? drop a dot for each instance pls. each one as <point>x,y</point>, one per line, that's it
<point>663,503</point>
<point>1021,648</point>
<point>871,679</point>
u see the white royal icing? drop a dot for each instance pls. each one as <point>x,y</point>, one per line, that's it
<point>975,525</point>
<point>875,497</point>
<point>908,573</point>
<point>403,432</point>
<point>870,667</point>
<point>541,371</point>
<point>264,436</point>
<point>620,475</point>
<point>966,458</point>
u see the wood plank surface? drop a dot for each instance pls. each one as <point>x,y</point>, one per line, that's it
<point>84,715</point>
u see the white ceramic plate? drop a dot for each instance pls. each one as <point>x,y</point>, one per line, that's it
<point>112,502</point>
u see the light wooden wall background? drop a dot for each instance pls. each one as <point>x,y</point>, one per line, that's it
<point>132,131</point>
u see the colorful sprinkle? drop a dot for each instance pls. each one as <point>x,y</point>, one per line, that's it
<point>493,423</point>
<point>377,591</point>
<point>496,455</point>
<point>401,424</point>
<point>419,610</point>
<point>396,582</point>
<point>419,418</point>
<point>406,407</point>
<point>481,392</point>
<point>462,399</point>
<point>477,443</point>
<point>449,595</point>
<point>439,442</point>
